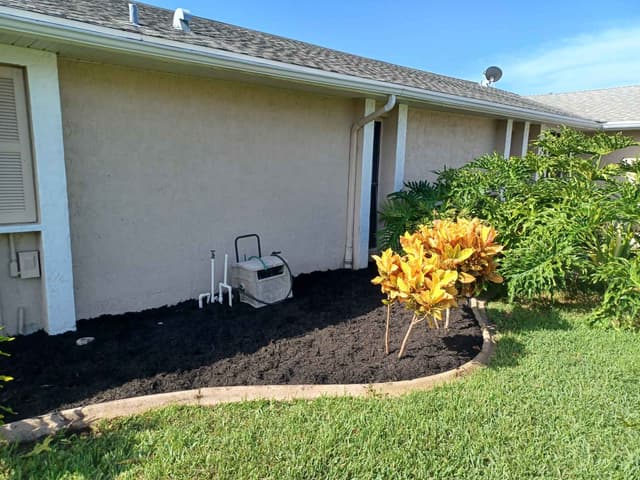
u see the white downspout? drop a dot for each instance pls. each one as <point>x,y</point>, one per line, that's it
<point>351,190</point>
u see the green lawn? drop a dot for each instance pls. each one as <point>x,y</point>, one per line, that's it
<point>560,400</point>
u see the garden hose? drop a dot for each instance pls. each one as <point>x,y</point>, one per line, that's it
<point>260,260</point>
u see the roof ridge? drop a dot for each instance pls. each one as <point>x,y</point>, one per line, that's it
<point>582,91</point>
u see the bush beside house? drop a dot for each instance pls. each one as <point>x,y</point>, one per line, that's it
<point>569,224</point>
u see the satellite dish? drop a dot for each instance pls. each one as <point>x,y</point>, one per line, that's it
<point>492,74</point>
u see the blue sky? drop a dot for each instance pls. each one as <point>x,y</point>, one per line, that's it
<point>542,46</point>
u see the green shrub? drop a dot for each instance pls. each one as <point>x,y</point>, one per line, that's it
<point>620,305</point>
<point>4,378</point>
<point>563,217</point>
<point>405,210</point>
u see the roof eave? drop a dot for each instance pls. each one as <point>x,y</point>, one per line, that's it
<point>79,33</point>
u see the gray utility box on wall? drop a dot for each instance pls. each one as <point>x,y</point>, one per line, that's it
<point>264,278</point>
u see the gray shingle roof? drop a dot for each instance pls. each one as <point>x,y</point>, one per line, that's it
<point>157,22</point>
<point>606,105</point>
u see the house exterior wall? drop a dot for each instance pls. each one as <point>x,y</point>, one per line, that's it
<point>387,155</point>
<point>162,168</point>
<point>516,139</point>
<point>48,301</point>
<point>436,139</point>
<point>17,292</point>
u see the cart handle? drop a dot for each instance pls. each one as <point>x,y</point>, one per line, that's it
<point>248,236</point>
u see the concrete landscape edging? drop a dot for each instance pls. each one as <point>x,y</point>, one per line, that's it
<point>80,418</point>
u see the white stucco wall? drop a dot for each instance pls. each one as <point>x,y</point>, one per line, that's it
<point>436,139</point>
<point>162,168</point>
<point>18,292</point>
<point>387,156</point>
<point>53,307</point>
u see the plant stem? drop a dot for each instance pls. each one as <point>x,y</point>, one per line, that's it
<point>446,318</point>
<point>386,333</point>
<point>406,337</point>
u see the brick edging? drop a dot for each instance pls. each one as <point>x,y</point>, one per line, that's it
<point>31,429</point>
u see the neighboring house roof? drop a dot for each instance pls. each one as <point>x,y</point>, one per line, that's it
<point>157,22</point>
<point>615,105</point>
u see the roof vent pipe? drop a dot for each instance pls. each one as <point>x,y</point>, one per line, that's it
<point>181,18</point>
<point>133,14</point>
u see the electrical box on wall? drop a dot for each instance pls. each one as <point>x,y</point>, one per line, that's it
<point>29,264</point>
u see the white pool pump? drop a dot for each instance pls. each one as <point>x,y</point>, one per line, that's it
<point>261,281</point>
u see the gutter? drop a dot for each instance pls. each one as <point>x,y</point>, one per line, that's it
<point>622,125</point>
<point>103,38</point>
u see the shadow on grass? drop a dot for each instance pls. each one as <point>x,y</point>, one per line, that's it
<point>508,353</point>
<point>105,453</point>
<point>527,318</point>
<point>518,319</point>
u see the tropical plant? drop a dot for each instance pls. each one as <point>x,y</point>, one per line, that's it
<point>620,306</point>
<point>438,262</point>
<point>561,213</point>
<point>406,209</point>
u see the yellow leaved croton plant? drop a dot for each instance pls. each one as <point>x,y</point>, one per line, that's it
<point>439,264</point>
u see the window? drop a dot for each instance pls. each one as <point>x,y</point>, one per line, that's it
<point>17,197</point>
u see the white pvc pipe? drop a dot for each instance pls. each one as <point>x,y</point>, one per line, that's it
<point>351,190</point>
<point>213,275</point>
<point>209,297</point>
<point>229,290</point>
<point>224,285</point>
<point>202,298</point>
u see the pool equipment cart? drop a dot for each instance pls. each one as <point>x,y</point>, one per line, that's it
<point>259,280</point>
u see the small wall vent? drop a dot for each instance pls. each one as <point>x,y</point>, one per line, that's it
<point>181,19</point>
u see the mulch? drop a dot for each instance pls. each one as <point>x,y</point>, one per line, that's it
<point>332,331</point>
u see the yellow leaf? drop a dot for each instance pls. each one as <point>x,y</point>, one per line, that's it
<point>403,286</point>
<point>495,278</point>
<point>464,277</point>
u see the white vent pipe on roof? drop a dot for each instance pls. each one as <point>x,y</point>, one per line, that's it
<point>181,18</point>
<point>133,14</point>
<point>351,190</point>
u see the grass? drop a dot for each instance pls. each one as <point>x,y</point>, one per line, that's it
<point>560,400</point>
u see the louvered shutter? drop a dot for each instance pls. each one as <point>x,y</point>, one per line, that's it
<point>17,199</point>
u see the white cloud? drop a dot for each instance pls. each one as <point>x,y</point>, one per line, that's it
<point>599,60</point>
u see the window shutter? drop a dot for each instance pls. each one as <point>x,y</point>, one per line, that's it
<point>17,197</point>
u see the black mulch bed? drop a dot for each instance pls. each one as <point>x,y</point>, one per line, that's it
<point>332,331</point>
